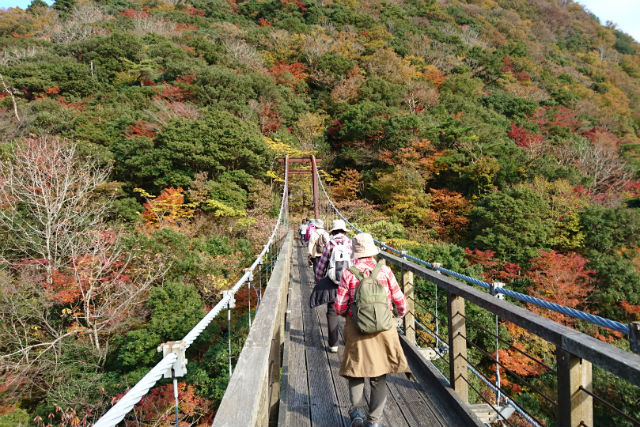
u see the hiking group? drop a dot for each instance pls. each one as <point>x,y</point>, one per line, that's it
<point>353,284</point>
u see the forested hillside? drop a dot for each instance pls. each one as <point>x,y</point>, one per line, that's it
<point>139,142</point>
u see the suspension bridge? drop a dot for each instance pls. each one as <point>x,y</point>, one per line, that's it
<point>285,376</point>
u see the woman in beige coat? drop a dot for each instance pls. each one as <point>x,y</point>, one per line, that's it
<point>374,355</point>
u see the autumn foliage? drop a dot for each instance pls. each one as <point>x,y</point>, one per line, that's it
<point>158,407</point>
<point>419,154</point>
<point>450,208</point>
<point>495,125</point>
<point>493,269</point>
<point>514,361</point>
<point>142,128</point>
<point>136,14</point>
<point>524,138</point>
<point>288,74</point>
<point>347,186</point>
<point>167,208</point>
<point>562,279</point>
<point>270,120</point>
<point>434,76</point>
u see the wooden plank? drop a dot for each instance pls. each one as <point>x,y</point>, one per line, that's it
<point>409,319</point>
<point>328,402</point>
<point>392,414</point>
<point>324,402</point>
<point>298,406</point>
<point>458,371</point>
<point>284,379</point>
<point>334,360</point>
<point>575,407</point>
<point>441,397</point>
<point>411,401</point>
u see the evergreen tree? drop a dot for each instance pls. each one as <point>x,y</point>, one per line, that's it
<point>36,4</point>
<point>64,6</point>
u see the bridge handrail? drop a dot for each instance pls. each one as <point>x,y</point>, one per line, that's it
<point>126,403</point>
<point>613,359</point>
<point>578,314</point>
<point>254,386</point>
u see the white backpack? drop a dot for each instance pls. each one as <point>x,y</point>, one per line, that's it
<point>339,261</point>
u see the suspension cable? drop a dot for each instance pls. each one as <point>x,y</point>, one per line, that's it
<point>592,318</point>
<point>118,411</point>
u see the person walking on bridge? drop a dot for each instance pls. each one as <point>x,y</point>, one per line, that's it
<point>317,239</point>
<point>302,230</point>
<point>370,355</point>
<point>335,259</point>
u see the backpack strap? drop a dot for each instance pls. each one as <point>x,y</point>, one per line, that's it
<point>374,272</point>
<point>356,273</point>
<point>377,268</point>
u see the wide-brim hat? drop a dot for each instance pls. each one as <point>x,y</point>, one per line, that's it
<point>318,223</point>
<point>364,246</point>
<point>337,225</point>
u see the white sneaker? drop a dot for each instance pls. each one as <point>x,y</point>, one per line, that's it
<point>333,349</point>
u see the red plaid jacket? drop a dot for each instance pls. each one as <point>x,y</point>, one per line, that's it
<point>349,283</point>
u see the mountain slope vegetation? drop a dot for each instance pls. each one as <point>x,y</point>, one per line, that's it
<point>500,138</point>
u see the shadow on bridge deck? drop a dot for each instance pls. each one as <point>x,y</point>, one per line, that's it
<point>312,392</point>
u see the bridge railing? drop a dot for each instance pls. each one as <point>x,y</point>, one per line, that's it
<point>573,398</point>
<point>253,392</point>
<point>173,363</point>
<point>575,351</point>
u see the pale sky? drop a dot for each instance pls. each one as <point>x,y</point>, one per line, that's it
<point>625,13</point>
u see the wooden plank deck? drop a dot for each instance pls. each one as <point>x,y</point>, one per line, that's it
<point>312,392</point>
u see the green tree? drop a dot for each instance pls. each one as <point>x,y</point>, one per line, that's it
<point>216,143</point>
<point>175,309</point>
<point>609,229</point>
<point>36,4</point>
<point>64,6</point>
<point>512,224</point>
<point>510,106</point>
<point>617,280</point>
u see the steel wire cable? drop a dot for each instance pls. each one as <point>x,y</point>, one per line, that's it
<point>597,320</point>
<point>505,396</point>
<point>433,335</point>
<point>117,412</point>
<point>522,380</point>
<point>544,365</point>
<point>510,401</point>
<point>606,403</point>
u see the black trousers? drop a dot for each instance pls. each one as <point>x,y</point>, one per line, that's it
<point>332,321</point>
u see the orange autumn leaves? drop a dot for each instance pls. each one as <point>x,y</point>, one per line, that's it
<point>559,278</point>
<point>443,209</point>
<point>157,407</point>
<point>167,208</point>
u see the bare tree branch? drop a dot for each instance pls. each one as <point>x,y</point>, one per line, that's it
<point>13,99</point>
<point>67,283</point>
